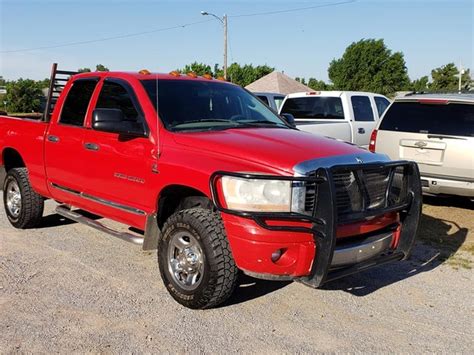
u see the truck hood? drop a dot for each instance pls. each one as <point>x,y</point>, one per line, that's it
<point>272,147</point>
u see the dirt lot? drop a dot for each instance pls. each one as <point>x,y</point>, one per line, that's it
<point>67,288</point>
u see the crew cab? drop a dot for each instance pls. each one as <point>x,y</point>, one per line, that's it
<point>216,181</point>
<point>350,116</point>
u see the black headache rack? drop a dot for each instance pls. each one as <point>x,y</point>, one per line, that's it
<point>402,194</point>
<point>57,82</point>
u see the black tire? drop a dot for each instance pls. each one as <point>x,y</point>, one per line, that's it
<point>219,272</point>
<point>32,204</point>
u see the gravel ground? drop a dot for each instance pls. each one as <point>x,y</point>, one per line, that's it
<point>67,288</point>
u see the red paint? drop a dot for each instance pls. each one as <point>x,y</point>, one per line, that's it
<point>187,159</point>
<point>373,141</point>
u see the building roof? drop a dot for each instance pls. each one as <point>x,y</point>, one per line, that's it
<point>277,82</point>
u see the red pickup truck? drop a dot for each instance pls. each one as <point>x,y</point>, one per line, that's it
<point>215,179</point>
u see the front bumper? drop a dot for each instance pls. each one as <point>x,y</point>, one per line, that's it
<point>312,251</point>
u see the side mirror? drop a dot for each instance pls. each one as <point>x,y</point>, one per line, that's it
<point>113,120</point>
<point>289,118</point>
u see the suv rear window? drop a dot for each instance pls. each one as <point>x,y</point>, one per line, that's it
<point>314,107</point>
<point>451,119</point>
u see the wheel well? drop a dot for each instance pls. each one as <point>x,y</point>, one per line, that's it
<point>175,198</point>
<point>12,159</point>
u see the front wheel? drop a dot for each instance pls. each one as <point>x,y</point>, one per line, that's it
<point>195,260</point>
<point>23,206</point>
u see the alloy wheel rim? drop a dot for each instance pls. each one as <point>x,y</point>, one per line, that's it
<point>13,198</point>
<point>185,260</point>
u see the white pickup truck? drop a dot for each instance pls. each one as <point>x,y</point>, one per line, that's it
<point>346,115</point>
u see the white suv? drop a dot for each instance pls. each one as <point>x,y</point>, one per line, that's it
<point>437,132</point>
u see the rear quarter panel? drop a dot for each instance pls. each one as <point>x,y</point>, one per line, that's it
<point>26,136</point>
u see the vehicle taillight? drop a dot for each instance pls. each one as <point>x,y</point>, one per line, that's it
<point>373,138</point>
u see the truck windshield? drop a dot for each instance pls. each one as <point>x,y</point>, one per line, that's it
<point>314,107</point>
<point>185,105</point>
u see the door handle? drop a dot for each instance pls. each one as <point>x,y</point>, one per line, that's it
<point>53,139</point>
<point>361,130</point>
<point>91,146</point>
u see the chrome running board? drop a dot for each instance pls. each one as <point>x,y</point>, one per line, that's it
<point>79,218</point>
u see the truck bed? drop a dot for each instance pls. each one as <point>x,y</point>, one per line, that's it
<point>26,136</point>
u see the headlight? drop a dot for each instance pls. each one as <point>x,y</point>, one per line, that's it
<point>258,195</point>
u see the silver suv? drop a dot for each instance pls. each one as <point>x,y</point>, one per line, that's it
<point>437,132</point>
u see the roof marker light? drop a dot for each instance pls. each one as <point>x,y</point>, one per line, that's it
<point>144,72</point>
<point>192,74</point>
<point>175,73</point>
<point>207,76</point>
<point>221,78</point>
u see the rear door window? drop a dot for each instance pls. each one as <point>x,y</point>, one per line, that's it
<point>381,104</point>
<point>448,119</point>
<point>314,107</point>
<point>362,108</point>
<point>77,101</point>
<point>278,101</point>
<point>264,99</point>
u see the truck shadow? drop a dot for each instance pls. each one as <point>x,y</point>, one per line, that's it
<point>56,220</point>
<point>438,240</point>
<point>249,288</point>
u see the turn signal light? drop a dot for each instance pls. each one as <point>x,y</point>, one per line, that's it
<point>192,74</point>
<point>144,72</point>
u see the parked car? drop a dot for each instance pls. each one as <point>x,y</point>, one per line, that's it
<point>437,132</point>
<point>271,99</point>
<point>215,180</point>
<point>346,115</point>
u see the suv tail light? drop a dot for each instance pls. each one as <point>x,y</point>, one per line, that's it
<point>373,138</point>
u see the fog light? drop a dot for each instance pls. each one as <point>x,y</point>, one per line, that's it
<point>276,255</point>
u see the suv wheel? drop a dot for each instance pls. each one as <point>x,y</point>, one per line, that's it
<point>23,206</point>
<point>195,260</point>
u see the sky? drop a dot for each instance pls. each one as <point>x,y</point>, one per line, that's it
<point>430,33</point>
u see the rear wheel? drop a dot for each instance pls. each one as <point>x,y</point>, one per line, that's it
<point>195,260</point>
<point>23,206</point>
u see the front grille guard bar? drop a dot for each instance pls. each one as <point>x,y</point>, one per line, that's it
<point>324,218</point>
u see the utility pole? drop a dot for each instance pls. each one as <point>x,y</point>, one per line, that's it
<point>222,20</point>
<point>225,45</point>
<point>461,72</point>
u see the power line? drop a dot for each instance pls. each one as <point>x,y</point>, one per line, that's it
<point>295,9</point>
<point>103,39</point>
<point>107,38</point>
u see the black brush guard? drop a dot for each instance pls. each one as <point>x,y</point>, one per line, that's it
<point>324,218</point>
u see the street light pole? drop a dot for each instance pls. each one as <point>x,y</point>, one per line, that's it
<point>222,20</point>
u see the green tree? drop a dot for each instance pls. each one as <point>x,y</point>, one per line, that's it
<point>198,68</point>
<point>446,78</point>
<point>100,67</point>
<point>23,95</point>
<point>368,65</point>
<point>419,85</point>
<point>247,74</point>
<point>84,70</point>
<point>316,84</point>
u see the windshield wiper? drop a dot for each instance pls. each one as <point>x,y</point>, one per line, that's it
<point>202,120</point>
<point>257,123</point>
